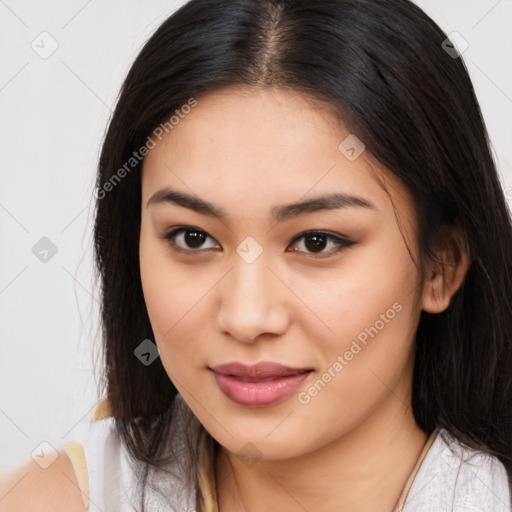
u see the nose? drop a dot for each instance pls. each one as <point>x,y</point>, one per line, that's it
<point>253,302</point>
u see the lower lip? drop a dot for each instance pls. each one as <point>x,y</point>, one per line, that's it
<point>259,394</point>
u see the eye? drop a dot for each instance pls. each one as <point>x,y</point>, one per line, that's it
<point>316,241</point>
<point>187,239</point>
<point>190,239</point>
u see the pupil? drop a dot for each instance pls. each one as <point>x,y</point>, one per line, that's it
<point>317,245</point>
<point>194,238</point>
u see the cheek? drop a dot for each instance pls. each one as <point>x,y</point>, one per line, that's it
<point>163,287</point>
<point>373,314</point>
<point>175,297</point>
<point>169,288</point>
<point>373,291</point>
<point>158,296</point>
<point>367,358</point>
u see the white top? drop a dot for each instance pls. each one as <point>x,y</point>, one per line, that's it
<point>113,477</point>
<point>450,478</point>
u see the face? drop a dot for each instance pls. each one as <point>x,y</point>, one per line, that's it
<point>329,287</point>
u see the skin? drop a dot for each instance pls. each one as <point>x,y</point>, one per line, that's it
<point>30,487</point>
<point>354,444</point>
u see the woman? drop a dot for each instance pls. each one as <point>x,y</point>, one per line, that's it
<point>303,248</point>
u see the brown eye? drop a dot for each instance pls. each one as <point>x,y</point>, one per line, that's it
<point>316,241</point>
<point>194,239</point>
<point>187,239</point>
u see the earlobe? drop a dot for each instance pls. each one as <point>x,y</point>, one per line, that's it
<point>445,277</point>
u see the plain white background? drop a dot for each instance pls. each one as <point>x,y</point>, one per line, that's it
<point>54,112</point>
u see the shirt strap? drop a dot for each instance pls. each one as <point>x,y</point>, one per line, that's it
<point>206,473</point>
<point>102,410</point>
<point>405,492</point>
<point>76,454</point>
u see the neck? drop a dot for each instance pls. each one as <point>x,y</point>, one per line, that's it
<point>364,469</point>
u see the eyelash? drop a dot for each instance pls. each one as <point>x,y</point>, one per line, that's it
<point>343,243</point>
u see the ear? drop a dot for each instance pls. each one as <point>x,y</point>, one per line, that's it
<point>445,275</point>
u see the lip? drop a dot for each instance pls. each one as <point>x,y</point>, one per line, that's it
<point>262,370</point>
<point>262,384</point>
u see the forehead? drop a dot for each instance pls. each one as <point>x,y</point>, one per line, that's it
<point>247,119</point>
<point>260,146</point>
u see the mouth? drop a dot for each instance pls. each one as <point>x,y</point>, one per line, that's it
<point>259,385</point>
<point>259,371</point>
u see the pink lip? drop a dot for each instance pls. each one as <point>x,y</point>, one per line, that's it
<point>265,383</point>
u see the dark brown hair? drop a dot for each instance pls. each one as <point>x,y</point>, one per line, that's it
<point>382,66</point>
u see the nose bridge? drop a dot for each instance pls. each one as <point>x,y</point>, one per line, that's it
<point>251,279</point>
<point>251,300</point>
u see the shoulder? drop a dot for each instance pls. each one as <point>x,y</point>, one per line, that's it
<point>64,485</point>
<point>482,481</point>
<point>33,488</point>
<point>455,477</point>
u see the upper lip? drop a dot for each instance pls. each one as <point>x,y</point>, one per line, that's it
<point>262,370</point>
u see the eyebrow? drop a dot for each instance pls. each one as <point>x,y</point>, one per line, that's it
<point>278,214</point>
